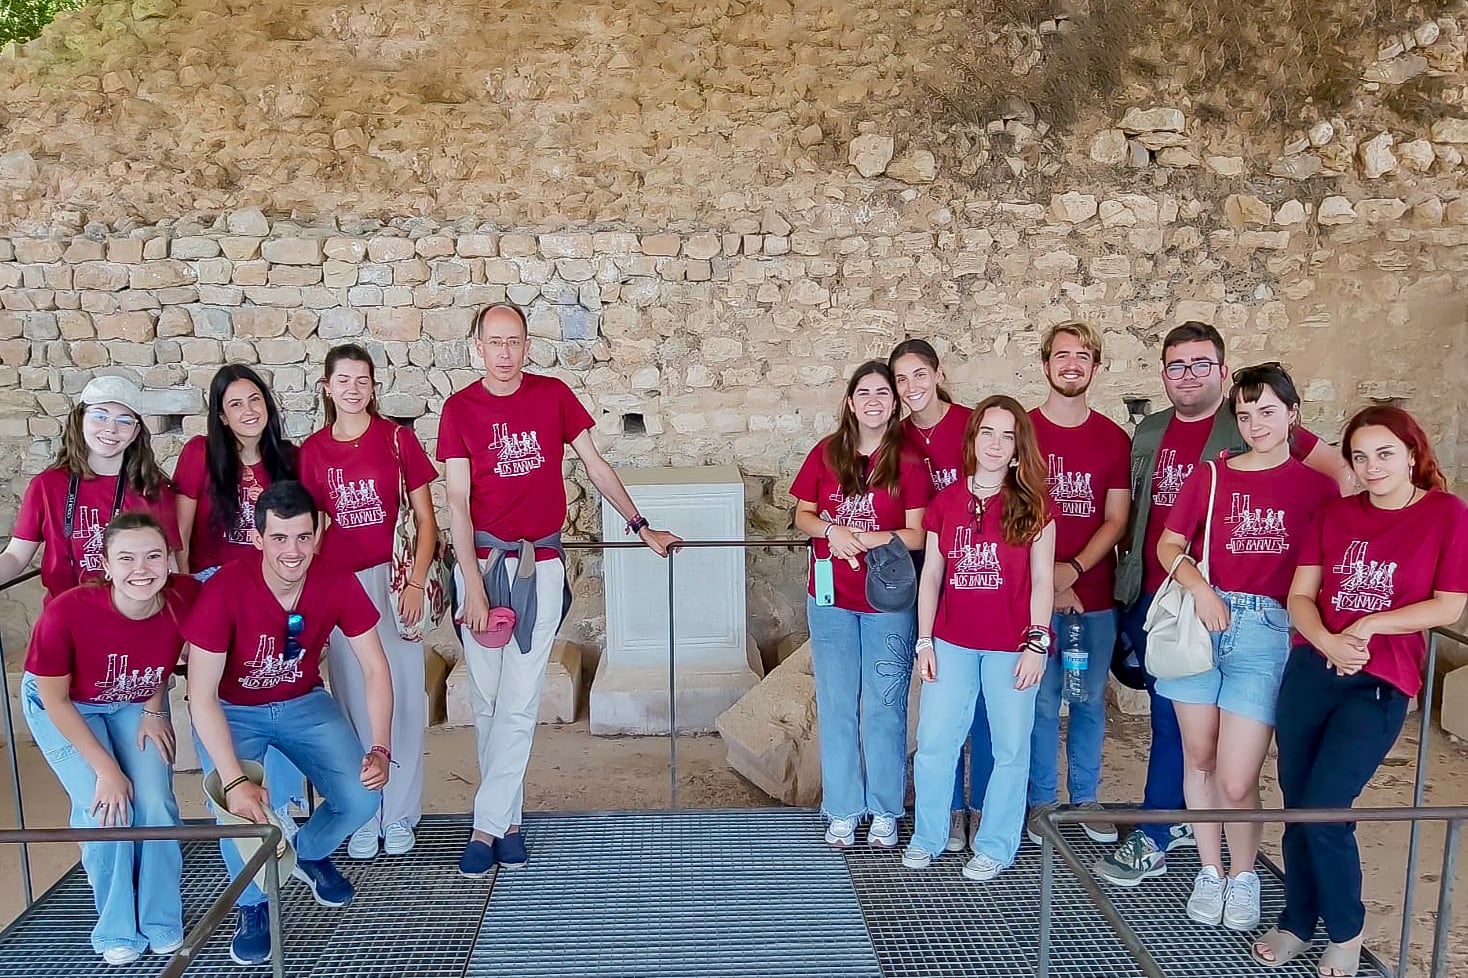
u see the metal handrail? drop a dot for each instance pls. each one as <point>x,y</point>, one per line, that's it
<point>1052,840</point>
<point>14,756</point>
<point>264,857</point>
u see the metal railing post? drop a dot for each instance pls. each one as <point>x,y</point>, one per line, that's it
<point>16,797</point>
<point>272,897</point>
<point>1445,900</point>
<point>1424,707</point>
<point>1047,899</point>
<point>672,691</point>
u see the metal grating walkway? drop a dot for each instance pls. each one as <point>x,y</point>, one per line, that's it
<point>659,895</point>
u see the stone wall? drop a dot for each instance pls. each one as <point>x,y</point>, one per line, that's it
<point>712,214</point>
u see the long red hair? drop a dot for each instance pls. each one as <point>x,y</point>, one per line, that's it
<point>1427,473</point>
<point>1025,496</point>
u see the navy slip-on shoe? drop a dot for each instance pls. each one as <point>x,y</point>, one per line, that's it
<point>478,859</point>
<point>510,851</point>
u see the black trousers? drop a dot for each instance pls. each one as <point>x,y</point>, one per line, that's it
<point>1333,733</point>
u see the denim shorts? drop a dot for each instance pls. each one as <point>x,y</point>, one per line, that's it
<point>1248,661</point>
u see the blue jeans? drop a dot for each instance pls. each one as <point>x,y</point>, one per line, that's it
<point>863,668</point>
<point>1248,661</point>
<point>980,761</point>
<point>135,884</point>
<point>283,780</point>
<point>313,734</point>
<point>946,711</point>
<point>1164,789</point>
<point>1086,726</point>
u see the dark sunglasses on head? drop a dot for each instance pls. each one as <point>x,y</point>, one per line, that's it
<point>295,624</point>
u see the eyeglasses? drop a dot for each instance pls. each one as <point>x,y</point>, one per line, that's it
<point>1198,368</point>
<point>124,421</point>
<point>295,624</point>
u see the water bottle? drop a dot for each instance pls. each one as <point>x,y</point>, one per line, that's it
<point>1074,657</point>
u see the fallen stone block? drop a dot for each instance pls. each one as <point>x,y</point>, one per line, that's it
<point>771,733</point>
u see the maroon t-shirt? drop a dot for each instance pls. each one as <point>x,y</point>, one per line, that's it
<point>110,657</point>
<point>1083,464</point>
<point>985,603</point>
<point>209,546</point>
<point>1260,520</point>
<point>941,446</point>
<point>514,444</point>
<point>1177,456</point>
<point>1373,560</point>
<point>42,518</point>
<point>238,615</point>
<point>358,484</point>
<point>876,509</point>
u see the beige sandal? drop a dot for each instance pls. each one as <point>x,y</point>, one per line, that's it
<point>1282,944</point>
<point>1342,958</point>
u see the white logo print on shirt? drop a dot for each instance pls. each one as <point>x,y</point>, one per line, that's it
<point>519,452</point>
<point>1070,491</point>
<point>354,503</point>
<point>246,521</point>
<point>942,478</point>
<point>1368,585</point>
<point>268,670</point>
<point>89,528</point>
<point>1168,480</point>
<point>974,566</point>
<point>857,512</point>
<point>1256,531</point>
<point>121,686</point>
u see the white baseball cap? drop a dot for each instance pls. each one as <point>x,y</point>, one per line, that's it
<point>113,390</point>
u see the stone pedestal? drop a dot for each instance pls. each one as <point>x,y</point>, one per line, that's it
<point>715,661</point>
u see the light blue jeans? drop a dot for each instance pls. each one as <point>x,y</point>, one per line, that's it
<point>313,733</point>
<point>283,780</point>
<point>946,710</point>
<point>1086,726</point>
<point>135,884</point>
<point>863,666</point>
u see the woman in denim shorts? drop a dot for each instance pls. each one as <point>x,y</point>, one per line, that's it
<point>1264,505</point>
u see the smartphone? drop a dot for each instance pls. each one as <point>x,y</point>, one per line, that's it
<point>825,582</point>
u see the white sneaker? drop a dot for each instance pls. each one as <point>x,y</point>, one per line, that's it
<point>841,832</point>
<point>363,844</point>
<point>1241,902</point>
<point>398,838</point>
<point>164,950</point>
<point>118,956</point>
<point>982,868</point>
<point>883,832</point>
<point>916,858</point>
<point>1206,904</point>
<point>957,831</point>
<point>1180,837</point>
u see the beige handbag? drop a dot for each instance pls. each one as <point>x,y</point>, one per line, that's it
<point>1178,644</point>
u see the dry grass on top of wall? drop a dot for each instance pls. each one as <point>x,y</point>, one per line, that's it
<point>1267,62</point>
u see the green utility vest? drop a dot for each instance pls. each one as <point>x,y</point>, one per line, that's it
<point>1146,440</point>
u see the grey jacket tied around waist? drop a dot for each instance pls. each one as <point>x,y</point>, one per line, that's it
<point>517,594</point>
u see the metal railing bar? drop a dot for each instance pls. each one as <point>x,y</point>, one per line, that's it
<point>672,693</point>
<point>1451,634</point>
<point>20,579</point>
<point>1445,900</point>
<point>1307,816</point>
<point>222,904</point>
<point>17,798</point>
<point>1419,783</point>
<point>1050,833</point>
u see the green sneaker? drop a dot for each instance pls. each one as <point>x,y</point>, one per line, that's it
<point>1137,859</point>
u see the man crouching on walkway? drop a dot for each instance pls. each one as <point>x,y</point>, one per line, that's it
<point>257,631</point>
<point>502,440</point>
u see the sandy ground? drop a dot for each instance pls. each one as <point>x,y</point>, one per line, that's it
<point>571,770</point>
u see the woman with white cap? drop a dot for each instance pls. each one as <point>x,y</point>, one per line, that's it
<point>104,466</point>
<point>95,696</point>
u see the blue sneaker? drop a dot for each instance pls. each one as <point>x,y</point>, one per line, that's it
<point>251,944</point>
<point>329,887</point>
<point>510,851</point>
<point>477,860</point>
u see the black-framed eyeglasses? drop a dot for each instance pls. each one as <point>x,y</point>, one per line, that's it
<point>1198,368</point>
<point>295,624</point>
